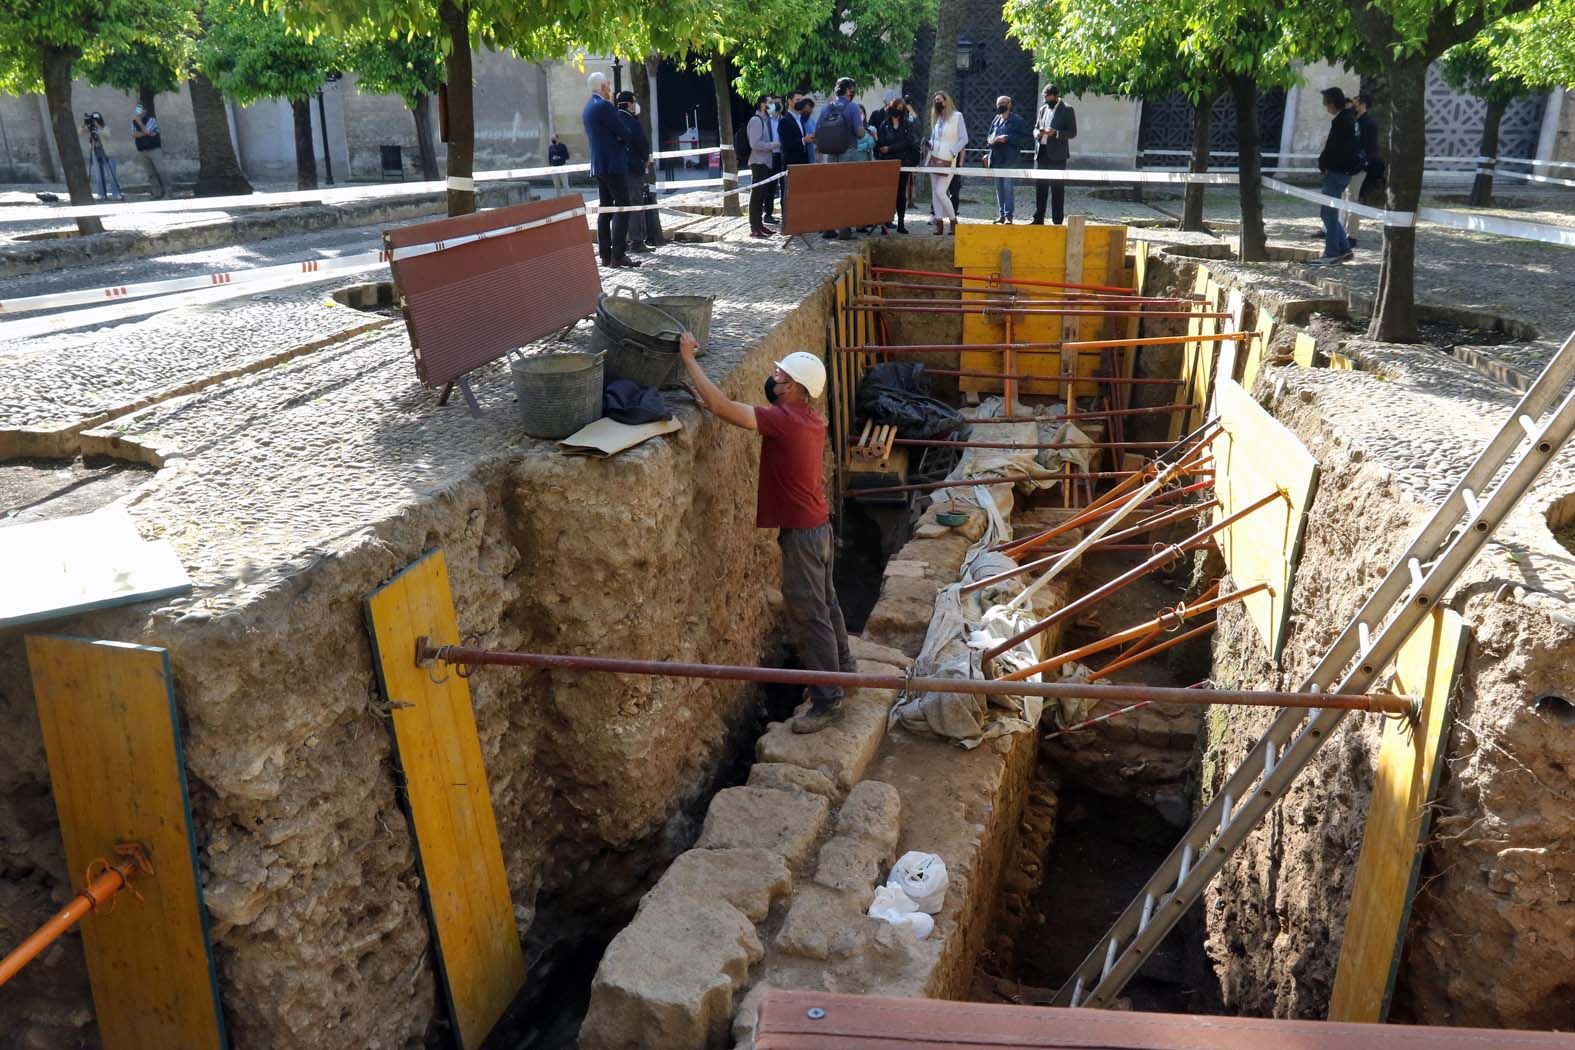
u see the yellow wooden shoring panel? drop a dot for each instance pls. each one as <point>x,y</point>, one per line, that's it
<point>480,963</point>
<point>1341,363</point>
<point>1230,349</point>
<point>1186,392</point>
<point>111,733</point>
<point>1306,353</point>
<point>1253,456</point>
<point>1257,348</point>
<point>1203,373</point>
<point>1071,328</point>
<point>1410,760</point>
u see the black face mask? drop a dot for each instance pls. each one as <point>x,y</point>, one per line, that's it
<point>771,390</point>
<point>1002,109</point>
<point>940,106</point>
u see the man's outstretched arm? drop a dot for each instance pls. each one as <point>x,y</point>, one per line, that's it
<point>722,406</point>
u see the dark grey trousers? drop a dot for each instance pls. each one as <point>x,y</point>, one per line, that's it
<point>809,593</point>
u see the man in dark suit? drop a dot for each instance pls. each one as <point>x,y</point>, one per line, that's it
<point>791,130</point>
<point>610,166</point>
<point>1056,126</point>
<point>638,152</point>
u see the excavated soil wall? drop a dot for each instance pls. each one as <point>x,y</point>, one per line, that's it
<point>1490,934</point>
<point>319,929</point>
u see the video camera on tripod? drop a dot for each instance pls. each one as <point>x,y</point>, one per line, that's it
<point>91,123</point>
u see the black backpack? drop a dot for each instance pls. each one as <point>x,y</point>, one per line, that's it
<point>832,134</point>
<point>741,144</point>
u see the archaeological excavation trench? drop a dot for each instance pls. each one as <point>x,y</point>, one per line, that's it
<point>1124,471</point>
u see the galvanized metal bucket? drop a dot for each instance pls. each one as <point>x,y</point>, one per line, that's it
<point>691,311</point>
<point>638,341</point>
<point>558,392</point>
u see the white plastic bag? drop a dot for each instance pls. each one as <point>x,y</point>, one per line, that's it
<point>922,876</point>
<point>897,908</point>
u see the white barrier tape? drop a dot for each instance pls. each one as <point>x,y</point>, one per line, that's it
<point>1525,231</point>
<point>1538,163</point>
<point>671,153</point>
<point>1207,178</point>
<point>158,304</point>
<point>270,200</point>
<point>1388,218</point>
<point>697,182</point>
<point>183,284</point>
<point>456,182</point>
<point>1528,177</point>
<point>239,278</point>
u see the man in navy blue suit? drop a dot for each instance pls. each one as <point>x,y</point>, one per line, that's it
<point>610,166</point>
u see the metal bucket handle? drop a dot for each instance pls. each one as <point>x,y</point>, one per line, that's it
<point>626,291</point>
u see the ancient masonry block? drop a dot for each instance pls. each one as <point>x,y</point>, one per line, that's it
<point>748,879</point>
<point>782,777</point>
<point>786,823</point>
<point>843,751</point>
<point>668,979</point>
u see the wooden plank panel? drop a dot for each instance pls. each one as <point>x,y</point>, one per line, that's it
<point>977,246</point>
<point>1071,328</point>
<point>1410,760</point>
<point>1187,391</point>
<point>480,963</point>
<point>112,737</point>
<point>1253,456</point>
<point>798,1020</point>
<point>1230,350</point>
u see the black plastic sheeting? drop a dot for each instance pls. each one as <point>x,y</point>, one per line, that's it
<point>898,394</point>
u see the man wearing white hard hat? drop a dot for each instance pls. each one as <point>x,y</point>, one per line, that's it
<point>791,497</point>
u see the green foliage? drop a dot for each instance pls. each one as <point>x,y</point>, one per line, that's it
<point>1472,68</point>
<point>1147,49</point>
<point>868,40</point>
<point>1538,47</point>
<point>395,65</point>
<point>157,67</point>
<point>90,29</point>
<point>250,54</point>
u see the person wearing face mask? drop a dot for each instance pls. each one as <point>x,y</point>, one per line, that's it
<point>948,137</point>
<point>790,496</point>
<point>1008,138</point>
<point>765,146</point>
<point>791,130</point>
<point>898,139</point>
<point>638,150</point>
<point>1056,126</point>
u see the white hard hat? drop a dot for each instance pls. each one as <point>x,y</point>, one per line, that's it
<point>806,369</point>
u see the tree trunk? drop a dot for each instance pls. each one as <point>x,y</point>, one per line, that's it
<point>461,111</point>
<point>1254,243</point>
<point>943,54</point>
<point>305,152</point>
<point>1192,203</point>
<point>218,170</point>
<point>640,84</point>
<point>146,96</point>
<point>1394,312</point>
<point>426,149</point>
<point>57,94</point>
<point>724,123</point>
<point>1482,187</point>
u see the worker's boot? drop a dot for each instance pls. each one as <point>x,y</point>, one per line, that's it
<point>820,715</point>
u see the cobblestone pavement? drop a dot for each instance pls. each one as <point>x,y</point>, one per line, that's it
<point>243,496</point>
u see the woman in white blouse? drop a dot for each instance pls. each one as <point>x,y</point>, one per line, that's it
<point>948,136</point>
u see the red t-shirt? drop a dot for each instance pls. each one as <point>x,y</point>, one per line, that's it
<point>790,494</point>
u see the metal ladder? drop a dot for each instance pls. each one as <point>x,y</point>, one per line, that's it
<point>1422,575</point>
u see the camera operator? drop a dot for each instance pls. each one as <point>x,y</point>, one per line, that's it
<point>145,136</point>
<point>103,163</point>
